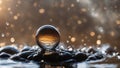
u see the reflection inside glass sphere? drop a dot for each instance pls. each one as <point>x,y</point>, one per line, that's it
<point>47,37</point>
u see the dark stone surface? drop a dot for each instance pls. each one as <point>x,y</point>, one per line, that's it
<point>91,58</point>
<point>4,55</point>
<point>51,57</point>
<point>9,50</point>
<point>35,56</point>
<point>79,57</point>
<point>91,50</point>
<point>27,48</point>
<point>96,56</point>
<point>110,51</point>
<point>65,56</point>
<point>25,54</point>
<point>18,58</point>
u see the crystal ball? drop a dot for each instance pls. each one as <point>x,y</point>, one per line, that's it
<point>48,37</point>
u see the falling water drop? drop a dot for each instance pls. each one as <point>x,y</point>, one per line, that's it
<point>47,37</point>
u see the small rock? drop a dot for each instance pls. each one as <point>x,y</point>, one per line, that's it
<point>99,56</point>
<point>91,50</point>
<point>4,55</point>
<point>35,56</point>
<point>79,57</point>
<point>96,56</point>
<point>110,51</point>
<point>18,58</point>
<point>91,58</point>
<point>52,57</point>
<point>9,50</point>
<point>65,56</point>
<point>25,54</point>
<point>26,48</point>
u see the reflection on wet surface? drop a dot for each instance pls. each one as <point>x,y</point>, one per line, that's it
<point>12,64</point>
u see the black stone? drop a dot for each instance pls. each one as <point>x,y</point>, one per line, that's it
<point>9,50</point>
<point>99,56</point>
<point>110,51</point>
<point>4,55</point>
<point>26,49</point>
<point>18,58</point>
<point>35,56</point>
<point>79,57</point>
<point>96,56</point>
<point>91,50</point>
<point>52,57</point>
<point>25,54</point>
<point>91,58</point>
<point>65,56</point>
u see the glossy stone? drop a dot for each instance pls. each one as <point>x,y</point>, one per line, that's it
<point>52,57</point>
<point>9,50</point>
<point>96,56</point>
<point>26,48</point>
<point>65,56</point>
<point>79,57</point>
<point>91,50</point>
<point>35,56</point>
<point>4,55</point>
<point>18,58</point>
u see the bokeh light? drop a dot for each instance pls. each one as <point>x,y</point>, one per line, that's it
<point>88,22</point>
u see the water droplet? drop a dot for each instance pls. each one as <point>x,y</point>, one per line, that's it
<point>47,37</point>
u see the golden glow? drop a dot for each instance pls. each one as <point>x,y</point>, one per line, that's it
<point>79,22</point>
<point>2,44</point>
<point>0,1</point>
<point>84,10</point>
<point>112,33</point>
<point>98,42</point>
<point>118,22</point>
<point>41,11</point>
<point>15,17</point>
<point>12,39</point>
<point>48,40</point>
<point>92,34</point>
<point>73,39</point>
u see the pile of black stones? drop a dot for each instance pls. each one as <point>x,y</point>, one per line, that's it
<point>61,55</point>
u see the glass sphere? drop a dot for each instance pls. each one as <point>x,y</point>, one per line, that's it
<point>47,37</point>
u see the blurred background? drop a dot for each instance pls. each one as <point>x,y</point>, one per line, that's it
<point>80,22</point>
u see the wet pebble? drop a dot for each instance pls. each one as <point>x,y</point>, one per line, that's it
<point>9,50</point>
<point>91,58</point>
<point>65,56</point>
<point>18,58</point>
<point>79,57</point>
<point>96,56</point>
<point>25,54</point>
<point>26,48</point>
<point>4,55</point>
<point>35,56</point>
<point>52,57</point>
<point>91,50</point>
<point>110,51</point>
